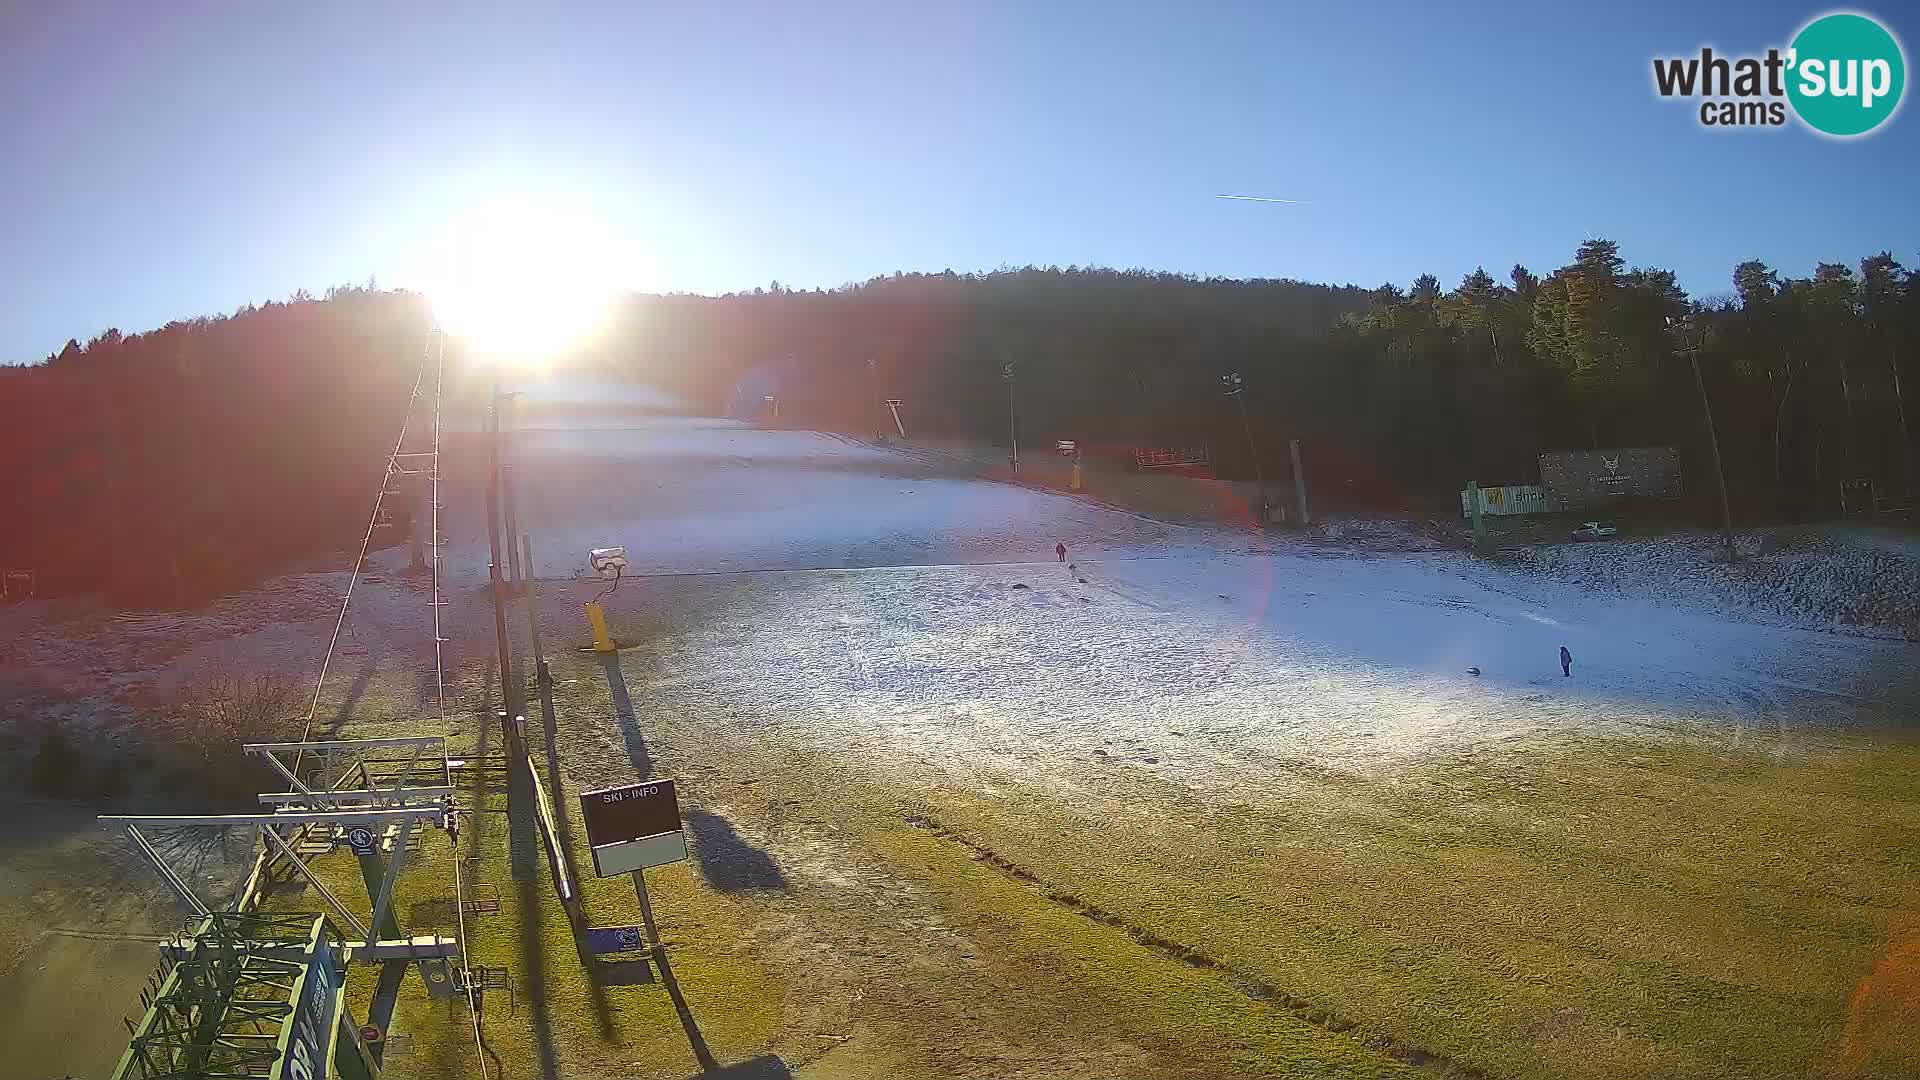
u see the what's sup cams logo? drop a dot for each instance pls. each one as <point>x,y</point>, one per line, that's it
<point>1843,76</point>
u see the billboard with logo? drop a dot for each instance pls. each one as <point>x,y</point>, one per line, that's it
<point>307,1042</point>
<point>1575,478</point>
<point>1508,500</point>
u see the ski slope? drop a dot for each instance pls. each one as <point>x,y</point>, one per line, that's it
<point>803,583</point>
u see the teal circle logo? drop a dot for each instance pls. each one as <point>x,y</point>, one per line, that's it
<point>1847,74</point>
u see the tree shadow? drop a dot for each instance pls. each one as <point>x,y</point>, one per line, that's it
<point>623,714</point>
<point>355,691</point>
<point>726,860</point>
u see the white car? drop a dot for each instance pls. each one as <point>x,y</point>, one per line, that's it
<point>1595,530</point>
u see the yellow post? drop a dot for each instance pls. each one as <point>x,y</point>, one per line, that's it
<point>597,619</point>
<point>1076,475</point>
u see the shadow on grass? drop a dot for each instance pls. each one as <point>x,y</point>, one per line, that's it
<point>635,972</point>
<point>355,691</point>
<point>767,1067</point>
<point>533,965</point>
<point>623,715</point>
<point>727,861</point>
<point>385,995</point>
<point>694,1039</point>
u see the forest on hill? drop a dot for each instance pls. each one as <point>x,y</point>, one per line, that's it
<point>170,466</point>
<point>1399,395</point>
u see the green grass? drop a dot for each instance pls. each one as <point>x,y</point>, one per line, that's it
<point>1579,908</point>
<point>1073,977</point>
<point>1565,907</point>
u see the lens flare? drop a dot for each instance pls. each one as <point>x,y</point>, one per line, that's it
<point>524,280</point>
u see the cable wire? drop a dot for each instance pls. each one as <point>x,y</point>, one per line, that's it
<point>438,601</point>
<point>366,542</point>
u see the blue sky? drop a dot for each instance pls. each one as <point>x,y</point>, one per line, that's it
<point>167,160</point>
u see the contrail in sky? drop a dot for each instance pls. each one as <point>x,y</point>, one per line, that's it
<point>1263,198</point>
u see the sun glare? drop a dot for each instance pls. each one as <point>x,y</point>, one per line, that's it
<point>523,281</point>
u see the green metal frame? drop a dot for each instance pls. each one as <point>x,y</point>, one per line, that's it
<point>220,1010</point>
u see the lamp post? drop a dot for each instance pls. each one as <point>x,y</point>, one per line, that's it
<point>1236,388</point>
<point>1013,435</point>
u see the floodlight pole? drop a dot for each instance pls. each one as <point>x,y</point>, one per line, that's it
<point>1236,387</point>
<point>515,574</point>
<point>1013,431</point>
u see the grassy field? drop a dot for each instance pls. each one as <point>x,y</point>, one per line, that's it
<point>1542,907</point>
<point>1583,908</point>
<point>80,913</point>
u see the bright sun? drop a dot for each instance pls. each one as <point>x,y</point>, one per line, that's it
<point>523,280</point>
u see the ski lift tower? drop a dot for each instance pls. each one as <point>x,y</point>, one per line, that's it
<point>249,996</point>
<point>369,795</point>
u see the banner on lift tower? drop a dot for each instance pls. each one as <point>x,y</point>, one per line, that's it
<point>633,827</point>
<point>308,1038</point>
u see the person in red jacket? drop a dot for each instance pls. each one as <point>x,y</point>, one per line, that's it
<point>1061,551</point>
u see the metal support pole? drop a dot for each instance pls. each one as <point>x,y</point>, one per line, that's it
<point>1259,472</point>
<point>516,575</point>
<point>384,923</point>
<point>326,894</point>
<point>374,872</point>
<point>1299,481</point>
<point>274,761</point>
<point>509,691</point>
<point>166,872</point>
<point>533,618</point>
<point>646,910</point>
<point>1013,429</point>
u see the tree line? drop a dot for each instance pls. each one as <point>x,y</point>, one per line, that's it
<point>180,463</point>
<point>1398,395</point>
<point>169,467</point>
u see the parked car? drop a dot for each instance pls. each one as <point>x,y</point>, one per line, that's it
<point>1595,530</point>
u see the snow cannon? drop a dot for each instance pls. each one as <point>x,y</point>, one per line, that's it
<point>608,563</point>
